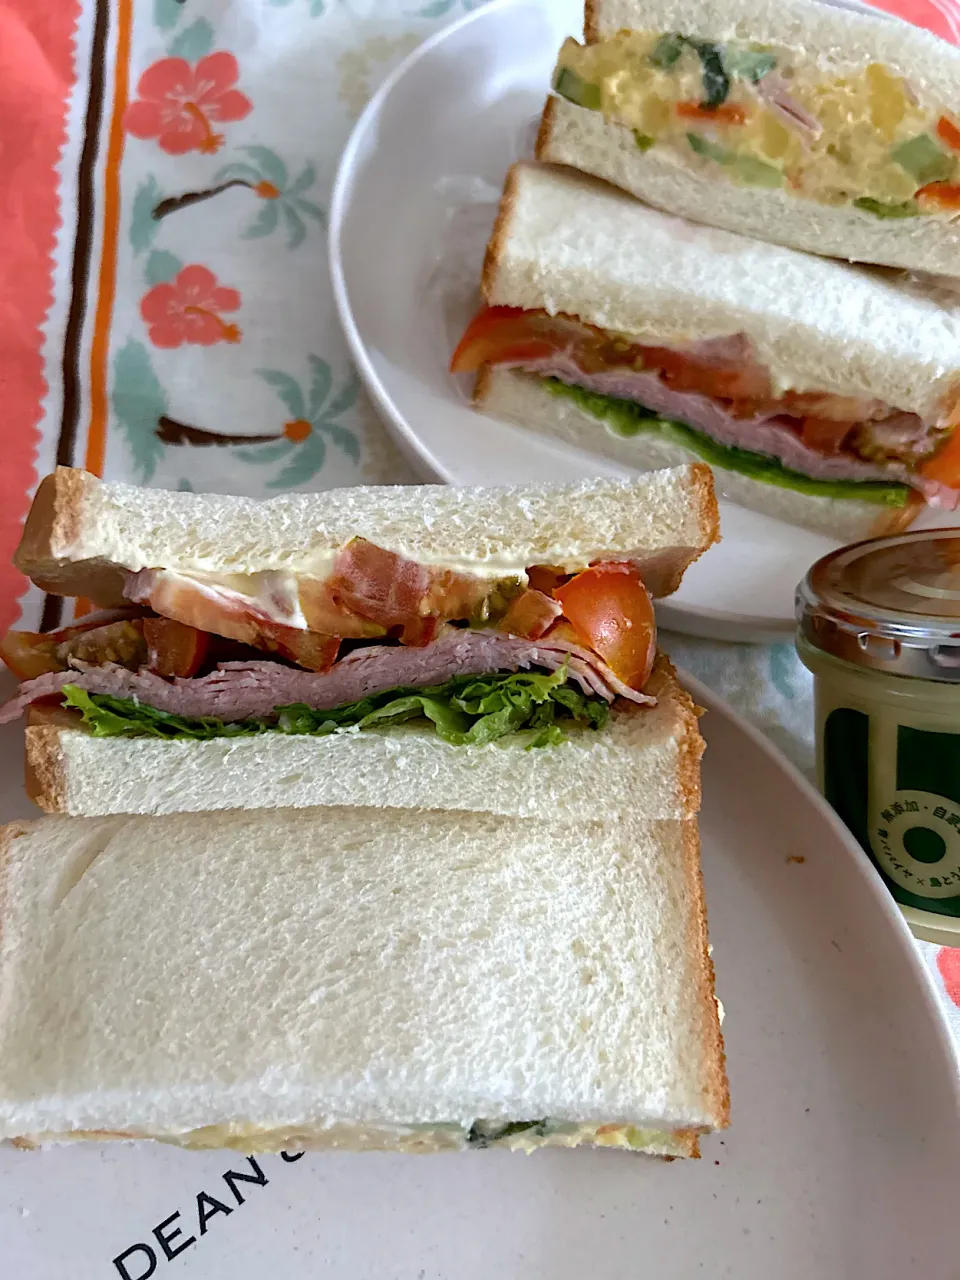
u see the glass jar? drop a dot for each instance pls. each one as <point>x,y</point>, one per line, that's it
<point>879,627</point>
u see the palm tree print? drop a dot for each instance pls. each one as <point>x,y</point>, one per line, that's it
<point>312,425</point>
<point>267,175</point>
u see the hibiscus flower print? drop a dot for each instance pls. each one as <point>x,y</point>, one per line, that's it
<point>178,104</point>
<point>187,310</point>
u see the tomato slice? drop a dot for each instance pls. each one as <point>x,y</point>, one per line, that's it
<point>29,654</point>
<point>510,335</point>
<point>612,611</point>
<point>173,648</point>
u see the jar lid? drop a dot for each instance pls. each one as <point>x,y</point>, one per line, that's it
<point>892,604</point>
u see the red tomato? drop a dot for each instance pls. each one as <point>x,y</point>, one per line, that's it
<point>611,610</point>
<point>728,113</point>
<point>510,335</point>
<point>173,648</point>
<point>29,654</point>
<point>682,372</point>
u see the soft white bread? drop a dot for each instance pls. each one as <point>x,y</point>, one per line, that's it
<point>566,243</point>
<point>838,40</point>
<point>571,135</point>
<point>524,399</point>
<point>82,535</point>
<point>346,975</point>
<point>644,763</point>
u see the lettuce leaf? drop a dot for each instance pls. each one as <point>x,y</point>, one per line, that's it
<point>470,710</point>
<point>627,418</point>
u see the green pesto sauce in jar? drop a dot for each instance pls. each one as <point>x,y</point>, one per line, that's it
<point>879,628</point>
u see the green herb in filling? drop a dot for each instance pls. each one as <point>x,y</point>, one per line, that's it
<point>748,64</point>
<point>626,418</point>
<point>468,710</point>
<point>879,209</point>
<point>716,82</point>
<point>668,51</point>
<point>643,140</point>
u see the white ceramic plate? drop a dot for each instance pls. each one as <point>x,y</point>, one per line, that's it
<point>413,204</point>
<point>842,1161</point>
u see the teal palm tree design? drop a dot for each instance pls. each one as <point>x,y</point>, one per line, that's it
<point>312,425</point>
<point>283,198</point>
<point>440,8</point>
<point>315,8</point>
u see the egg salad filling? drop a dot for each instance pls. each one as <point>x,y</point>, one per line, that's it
<point>757,116</point>
<point>518,1135</point>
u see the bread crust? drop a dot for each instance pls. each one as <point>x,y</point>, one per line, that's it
<point>664,682</point>
<point>716,1087</point>
<point>501,231</point>
<point>46,769</point>
<point>591,21</point>
<point>54,522</point>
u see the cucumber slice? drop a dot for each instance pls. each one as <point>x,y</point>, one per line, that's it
<point>924,160</point>
<point>572,86</point>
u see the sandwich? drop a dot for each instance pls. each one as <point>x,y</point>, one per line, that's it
<point>422,647</point>
<point>361,979</point>
<point>822,394</point>
<point>788,120</point>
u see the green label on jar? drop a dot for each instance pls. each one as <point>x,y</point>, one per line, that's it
<point>897,787</point>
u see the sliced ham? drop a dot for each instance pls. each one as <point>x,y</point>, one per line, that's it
<point>240,690</point>
<point>767,433</point>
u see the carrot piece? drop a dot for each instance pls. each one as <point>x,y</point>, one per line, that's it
<point>948,132</point>
<point>727,113</point>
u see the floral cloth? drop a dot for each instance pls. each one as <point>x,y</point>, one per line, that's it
<point>168,318</point>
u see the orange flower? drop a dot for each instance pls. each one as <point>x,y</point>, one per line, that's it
<point>187,310</point>
<point>267,191</point>
<point>176,103</point>
<point>298,430</point>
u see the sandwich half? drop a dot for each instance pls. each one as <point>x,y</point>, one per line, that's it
<point>406,647</point>
<point>789,120</point>
<point>357,979</point>
<point>823,394</point>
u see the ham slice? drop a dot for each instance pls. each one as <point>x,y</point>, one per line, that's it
<point>771,434</point>
<point>240,690</point>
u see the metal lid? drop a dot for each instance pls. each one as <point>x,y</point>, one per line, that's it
<point>892,604</point>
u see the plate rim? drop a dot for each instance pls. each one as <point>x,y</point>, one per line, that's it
<point>907,943</point>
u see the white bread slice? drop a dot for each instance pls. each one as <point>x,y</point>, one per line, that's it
<point>82,535</point>
<point>571,135</point>
<point>523,398</point>
<point>350,974</point>
<point>567,243</point>
<point>644,763</point>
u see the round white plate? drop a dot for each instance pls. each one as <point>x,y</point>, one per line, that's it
<point>413,205</point>
<point>842,1160</point>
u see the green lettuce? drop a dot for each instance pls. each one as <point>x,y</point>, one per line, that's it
<point>467,710</point>
<point>627,418</point>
